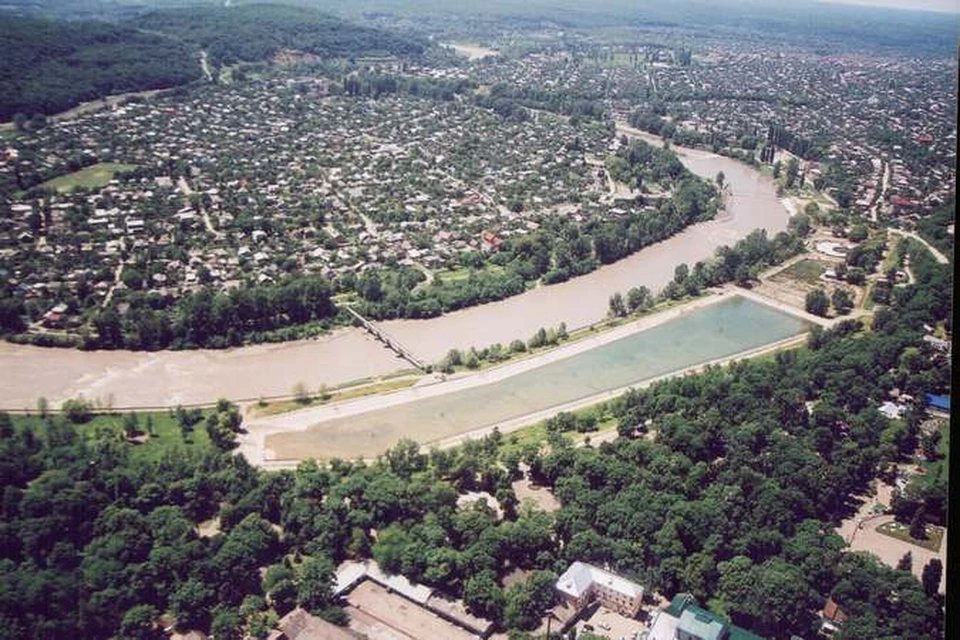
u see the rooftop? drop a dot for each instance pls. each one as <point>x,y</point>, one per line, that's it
<point>576,580</point>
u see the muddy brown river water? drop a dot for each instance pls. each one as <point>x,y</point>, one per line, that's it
<point>137,379</point>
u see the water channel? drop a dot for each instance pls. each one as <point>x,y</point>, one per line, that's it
<point>716,331</point>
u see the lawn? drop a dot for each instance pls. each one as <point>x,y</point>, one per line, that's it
<point>97,175</point>
<point>902,532</point>
<point>942,464</point>
<point>350,392</point>
<point>808,271</point>
<point>517,441</point>
<point>462,273</point>
<point>166,435</point>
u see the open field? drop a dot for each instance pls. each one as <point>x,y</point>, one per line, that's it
<point>160,432</point>
<point>541,496</point>
<point>94,176</point>
<point>472,51</point>
<point>902,532</point>
<point>806,270</point>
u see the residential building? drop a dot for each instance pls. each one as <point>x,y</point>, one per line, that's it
<point>582,583</point>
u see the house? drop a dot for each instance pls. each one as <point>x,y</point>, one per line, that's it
<point>490,242</point>
<point>300,625</point>
<point>54,317</point>
<point>892,410</point>
<point>938,402</point>
<point>583,583</point>
<point>832,618</point>
<point>685,620</point>
<point>937,343</point>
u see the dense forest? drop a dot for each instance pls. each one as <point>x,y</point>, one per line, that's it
<point>733,499</point>
<point>251,33</point>
<point>49,67</point>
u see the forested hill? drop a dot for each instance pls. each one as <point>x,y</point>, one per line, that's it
<point>48,66</point>
<point>255,32</point>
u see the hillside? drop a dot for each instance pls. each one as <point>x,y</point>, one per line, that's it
<point>255,32</point>
<point>50,66</point>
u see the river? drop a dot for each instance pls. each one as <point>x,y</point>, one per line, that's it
<point>137,379</point>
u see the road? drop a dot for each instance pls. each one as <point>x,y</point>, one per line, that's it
<point>187,191</point>
<point>942,259</point>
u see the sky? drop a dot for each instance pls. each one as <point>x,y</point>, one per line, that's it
<point>944,6</point>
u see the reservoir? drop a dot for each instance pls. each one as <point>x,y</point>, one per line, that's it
<point>726,328</point>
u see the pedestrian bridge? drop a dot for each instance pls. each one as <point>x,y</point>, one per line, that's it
<point>388,340</point>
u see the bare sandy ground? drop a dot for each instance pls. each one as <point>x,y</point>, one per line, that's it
<point>472,51</point>
<point>143,380</point>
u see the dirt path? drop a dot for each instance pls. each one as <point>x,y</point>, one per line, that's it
<point>942,259</point>
<point>205,65</point>
<point>187,191</point>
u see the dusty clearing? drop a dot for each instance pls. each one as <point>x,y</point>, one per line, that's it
<point>472,51</point>
<point>541,496</point>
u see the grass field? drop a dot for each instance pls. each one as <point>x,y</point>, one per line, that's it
<point>91,177</point>
<point>463,273</point>
<point>808,271</point>
<point>902,532</point>
<point>517,441</point>
<point>166,434</point>
<point>349,393</point>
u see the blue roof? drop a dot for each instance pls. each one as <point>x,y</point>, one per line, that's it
<point>938,402</point>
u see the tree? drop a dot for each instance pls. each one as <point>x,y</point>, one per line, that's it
<point>918,524</point>
<point>484,597</point>
<point>858,233</point>
<point>300,393</point>
<point>792,170</point>
<point>138,623</point>
<point>817,303</point>
<point>315,584</point>
<point>930,577</point>
<point>131,425</point>
<point>77,410</point>
<point>617,307</point>
<point>190,604</point>
<point>842,301</point>
<point>906,562</point>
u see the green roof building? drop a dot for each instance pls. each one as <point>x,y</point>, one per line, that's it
<point>696,623</point>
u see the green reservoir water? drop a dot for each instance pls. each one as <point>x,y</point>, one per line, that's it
<point>716,331</point>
